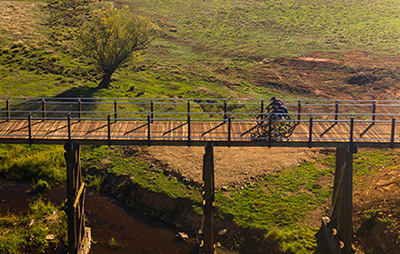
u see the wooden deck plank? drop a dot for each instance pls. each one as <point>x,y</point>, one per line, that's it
<point>22,130</point>
<point>174,131</point>
<point>6,127</point>
<point>36,128</point>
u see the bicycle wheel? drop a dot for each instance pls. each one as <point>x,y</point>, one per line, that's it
<point>285,129</point>
<point>261,118</point>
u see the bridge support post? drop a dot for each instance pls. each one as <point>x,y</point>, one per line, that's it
<point>79,236</point>
<point>338,226</point>
<point>208,199</point>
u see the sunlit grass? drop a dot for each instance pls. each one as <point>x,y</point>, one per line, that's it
<point>28,232</point>
<point>32,163</point>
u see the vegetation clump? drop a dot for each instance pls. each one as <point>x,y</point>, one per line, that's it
<point>113,37</point>
<point>33,163</point>
<point>42,227</point>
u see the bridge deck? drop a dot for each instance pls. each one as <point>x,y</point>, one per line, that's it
<point>177,133</point>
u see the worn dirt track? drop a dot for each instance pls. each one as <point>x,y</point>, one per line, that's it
<point>233,166</point>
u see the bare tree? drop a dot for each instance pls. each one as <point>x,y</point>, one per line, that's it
<point>113,37</point>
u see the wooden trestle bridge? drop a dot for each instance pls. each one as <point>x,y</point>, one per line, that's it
<point>72,122</point>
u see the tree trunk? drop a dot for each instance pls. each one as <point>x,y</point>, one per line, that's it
<point>106,81</point>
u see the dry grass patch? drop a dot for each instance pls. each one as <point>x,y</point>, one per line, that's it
<point>20,20</point>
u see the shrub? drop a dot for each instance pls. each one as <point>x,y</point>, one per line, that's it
<point>6,50</point>
<point>42,186</point>
<point>10,243</point>
<point>31,163</point>
<point>36,238</point>
<point>15,50</point>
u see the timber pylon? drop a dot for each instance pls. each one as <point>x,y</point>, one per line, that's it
<point>79,236</point>
<point>338,226</point>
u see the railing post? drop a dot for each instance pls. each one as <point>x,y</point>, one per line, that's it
<point>269,131</point>
<point>30,127</point>
<point>188,123</point>
<point>8,109</point>
<point>392,132</point>
<point>262,107</point>
<point>229,131</point>
<point>109,128</point>
<point>351,128</point>
<point>79,108</point>
<point>310,132</point>
<point>152,109</point>
<point>148,127</point>
<point>115,109</point>
<point>336,111</point>
<point>299,110</point>
<point>69,126</point>
<point>43,108</point>
<point>225,106</point>
<point>373,111</point>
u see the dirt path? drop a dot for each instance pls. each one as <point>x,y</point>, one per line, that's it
<point>233,166</point>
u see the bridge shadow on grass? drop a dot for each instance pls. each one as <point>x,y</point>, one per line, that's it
<point>67,105</point>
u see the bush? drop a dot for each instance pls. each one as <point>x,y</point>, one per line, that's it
<point>11,243</point>
<point>36,238</point>
<point>42,186</point>
<point>31,163</point>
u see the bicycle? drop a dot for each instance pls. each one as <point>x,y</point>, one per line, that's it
<point>277,125</point>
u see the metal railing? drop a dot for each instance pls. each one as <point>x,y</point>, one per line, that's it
<point>190,111</point>
<point>81,107</point>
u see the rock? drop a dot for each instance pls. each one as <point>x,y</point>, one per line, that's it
<point>49,237</point>
<point>183,236</point>
<point>179,226</point>
<point>217,245</point>
<point>223,231</point>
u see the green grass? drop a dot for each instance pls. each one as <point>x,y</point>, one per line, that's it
<point>279,204</point>
<point>27,233</point>
<point>370,163</point>
<point>200,39</point>
<point>209,49</point>
<point>145,175</point>
<point>33,163</point>
<point>269,29</point>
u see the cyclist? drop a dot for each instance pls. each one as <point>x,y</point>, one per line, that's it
<point>277,108</point>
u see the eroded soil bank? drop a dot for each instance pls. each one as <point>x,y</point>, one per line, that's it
<point>179,212</point>
<point>115,227</point>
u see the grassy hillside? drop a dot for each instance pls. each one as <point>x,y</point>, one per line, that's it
<point>256,29</point>
<point>246,49</point>
<point>230,49</point>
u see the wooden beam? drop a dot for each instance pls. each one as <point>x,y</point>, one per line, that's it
<point>339,227</point>
<point>347,210</point>
<point>78,236</point>
<point>70,159</point>
<point>78,196</point>
<point>208,192</point>
<point>338,180</point>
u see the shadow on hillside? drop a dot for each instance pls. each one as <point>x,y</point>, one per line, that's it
<point>66,101</point>
<point>323,246</point>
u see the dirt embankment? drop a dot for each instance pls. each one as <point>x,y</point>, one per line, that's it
<point>179,213</point>
<point>235,166</point>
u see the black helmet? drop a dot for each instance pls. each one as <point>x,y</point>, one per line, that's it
<point>273,98</point>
